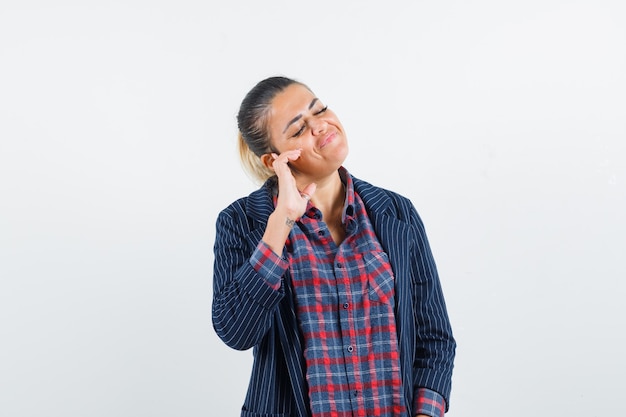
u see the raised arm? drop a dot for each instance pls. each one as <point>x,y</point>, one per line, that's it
<point>243,301</point>
<point>249,263</point>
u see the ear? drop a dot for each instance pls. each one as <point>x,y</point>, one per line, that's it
<point>267,160</point>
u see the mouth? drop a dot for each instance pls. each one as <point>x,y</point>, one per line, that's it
<point>328,139</point>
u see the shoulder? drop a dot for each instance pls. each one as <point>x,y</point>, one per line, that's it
<point>255,207</point>
<point>379,200</point>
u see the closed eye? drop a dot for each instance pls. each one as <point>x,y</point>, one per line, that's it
<point>321,111</point>
<point>299,132</point>
<point>303,127</point>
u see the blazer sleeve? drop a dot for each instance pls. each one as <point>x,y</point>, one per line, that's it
<point>243,302</point>
<point>435,344</point>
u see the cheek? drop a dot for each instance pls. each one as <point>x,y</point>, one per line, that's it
<point>298,143</point>
<point>280,146</point>
<point>343,151</point>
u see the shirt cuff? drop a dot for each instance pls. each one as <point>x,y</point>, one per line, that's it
<point>430,403</point>
<point>268,265</point>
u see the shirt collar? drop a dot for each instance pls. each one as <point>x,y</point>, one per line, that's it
<point>348,207</point>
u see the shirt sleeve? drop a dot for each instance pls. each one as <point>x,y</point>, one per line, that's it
<point>430,403</point>
<point>268,265</point>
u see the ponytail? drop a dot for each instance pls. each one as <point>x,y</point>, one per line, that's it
<point>251,163</point>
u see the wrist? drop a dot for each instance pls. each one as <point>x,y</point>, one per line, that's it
<point>278,227</point>
<point>284,220</point>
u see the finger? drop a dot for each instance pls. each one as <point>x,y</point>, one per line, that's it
<point>309,190</point>
<point>287,156</point>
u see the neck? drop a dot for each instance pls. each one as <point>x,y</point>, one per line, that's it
<point>329,197</point>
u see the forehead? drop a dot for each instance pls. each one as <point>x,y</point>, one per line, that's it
<point>292,101</point>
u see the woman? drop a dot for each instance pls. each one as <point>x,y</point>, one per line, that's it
<point>329,278</point>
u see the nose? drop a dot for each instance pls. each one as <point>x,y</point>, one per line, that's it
<point>318,127</point>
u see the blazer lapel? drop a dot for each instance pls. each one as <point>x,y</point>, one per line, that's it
<point>393,233</point>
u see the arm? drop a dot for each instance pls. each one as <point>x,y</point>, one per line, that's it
<point>243,300</point>
<point>435,344</point>
<point>247,282</point>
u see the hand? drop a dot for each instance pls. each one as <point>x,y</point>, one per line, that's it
<point>291,201</point>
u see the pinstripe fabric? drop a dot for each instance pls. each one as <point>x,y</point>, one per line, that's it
<point>247,312</point>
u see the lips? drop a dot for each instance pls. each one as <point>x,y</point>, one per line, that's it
<point>329,138</point>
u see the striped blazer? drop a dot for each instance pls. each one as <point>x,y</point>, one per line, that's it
<point>247,313</point>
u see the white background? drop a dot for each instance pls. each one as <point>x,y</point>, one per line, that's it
<point>503,121</point>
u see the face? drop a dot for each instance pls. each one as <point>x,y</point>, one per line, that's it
<point>299,120</point>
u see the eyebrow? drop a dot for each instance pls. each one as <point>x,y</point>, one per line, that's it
<point>298,117</point>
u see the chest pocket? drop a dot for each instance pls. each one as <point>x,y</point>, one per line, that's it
<point>380,279</point>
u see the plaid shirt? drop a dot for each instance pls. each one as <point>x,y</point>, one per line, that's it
<point>344,298</point>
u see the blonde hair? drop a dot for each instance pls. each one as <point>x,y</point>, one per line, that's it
<point>252,163</point>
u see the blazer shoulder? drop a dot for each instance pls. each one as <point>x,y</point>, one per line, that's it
<point>253,208</point>
<point>382,200</point>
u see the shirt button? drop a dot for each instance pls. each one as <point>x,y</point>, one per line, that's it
<point>356,393</point>
<point>346,305</point>
<point>350,348</point>
<point>339,265</point>
<point>320,233</point>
